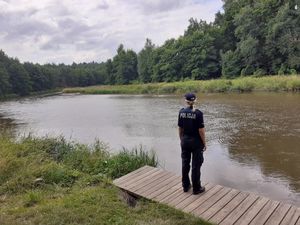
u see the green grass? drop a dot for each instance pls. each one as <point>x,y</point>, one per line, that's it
<point>54,181</point>
<point>244,84</point>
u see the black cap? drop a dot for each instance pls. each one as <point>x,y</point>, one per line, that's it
<point>190,97</point>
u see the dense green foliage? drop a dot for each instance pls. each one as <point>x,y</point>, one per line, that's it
<point>23,78</point>
<point>266,37</point>
<point>248,38</point>
<point>52,181</point>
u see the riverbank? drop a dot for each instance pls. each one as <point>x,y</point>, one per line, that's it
<point>244,84</point>
<point>33,94</point>
<point>54,181</point>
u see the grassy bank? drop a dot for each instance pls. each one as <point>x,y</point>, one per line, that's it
<point>244,84</point>
<point>33,94</point>
<point>53,181</point>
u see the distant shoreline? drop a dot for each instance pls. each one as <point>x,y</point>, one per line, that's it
<point>279,83</point>
<point>33,94</point>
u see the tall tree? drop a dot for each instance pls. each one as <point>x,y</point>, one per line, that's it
<point>4,81</point>
<point>231,64</point>
<point>38,80</point>
<point>283,39</point>
<point>109,69</point>
<point>145,62</point>
<point>166,64</point>
<point>19,78</point>
<point>198,49</point>
<point>125,66</point>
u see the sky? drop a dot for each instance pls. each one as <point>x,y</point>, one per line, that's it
<point>67,31</point>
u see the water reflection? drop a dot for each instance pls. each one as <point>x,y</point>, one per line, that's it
<point>253,138</point>
<point>7,126</point>
<point>266,130</point>
<point>262,130</point>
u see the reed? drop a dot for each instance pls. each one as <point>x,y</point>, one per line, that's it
<point>289,83</point>
<point>54,181</point>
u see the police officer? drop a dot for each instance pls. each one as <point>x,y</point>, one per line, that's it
<point>192,137</point>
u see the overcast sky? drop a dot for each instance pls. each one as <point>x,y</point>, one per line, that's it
<point>66,31</point>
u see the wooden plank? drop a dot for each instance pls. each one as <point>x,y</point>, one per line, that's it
<point>172,196</point>
<point>192,198</point>
<point>240,210</point>
<point>168,185</point>
<point>165,186</point>
<point>265,213</point>
<point>137,175</point>
<point>205,196</point>
<point>145,181</point>
<point>219,205</point>
<point>211,201</point>
<point>182,197</point>
<point>287,220</point>
<point>278,215</point>
<point>226,210</point>
<point>295,218</point>
<point>168,192</point>
<point>117,180</point>
<point>127,176</point>
<point>141,182</point>
<point>136,178</point>
<point>252,212</point>
<point>298,221</point>
<point>153,186</point>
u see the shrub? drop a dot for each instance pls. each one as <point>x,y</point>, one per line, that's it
<point>56,147</point>
<point>32,198</point>
<point>167,89</point>
<point>243,85</point>
<point>293,71</point>
<point>87,159</point>
<point>216,85</point>
<point>293,84</point>
<point>32,162</point>
<point>127,161</point>
<point>58,174</point>
<point>259,72</point>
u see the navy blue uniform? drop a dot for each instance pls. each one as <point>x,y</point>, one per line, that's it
<point>191,145</point>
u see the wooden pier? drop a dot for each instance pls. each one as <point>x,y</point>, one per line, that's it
<point>218,204</point>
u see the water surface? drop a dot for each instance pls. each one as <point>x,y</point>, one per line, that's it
<point>253,139</point>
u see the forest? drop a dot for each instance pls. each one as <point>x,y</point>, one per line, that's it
<point>247,37</point>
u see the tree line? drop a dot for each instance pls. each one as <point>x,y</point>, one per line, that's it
<point>260,37</point>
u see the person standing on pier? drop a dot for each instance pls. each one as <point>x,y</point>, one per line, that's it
<point>192,138</point>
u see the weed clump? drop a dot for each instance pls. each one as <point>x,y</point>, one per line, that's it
<point>241,84</point>
<point>124,161</point>
<point>32,198</point>
<point>54,181</point>
<point>36,163</point>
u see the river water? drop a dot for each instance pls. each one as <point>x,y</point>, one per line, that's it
<point>253,139</point>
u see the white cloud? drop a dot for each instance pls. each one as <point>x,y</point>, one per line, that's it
<point>74,30</point>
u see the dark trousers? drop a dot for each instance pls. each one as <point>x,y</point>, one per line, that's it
<point>191,148</point>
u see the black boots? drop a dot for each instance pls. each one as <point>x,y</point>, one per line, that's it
<point>195,192</point>
<point>201,190</point>
<point>186,189</point>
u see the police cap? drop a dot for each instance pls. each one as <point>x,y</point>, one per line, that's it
<point>190,97</point>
